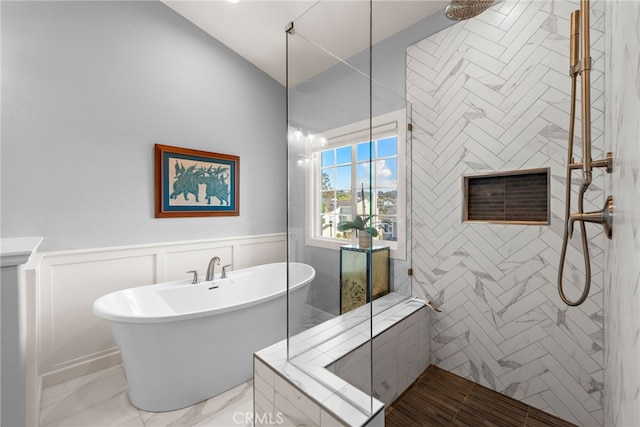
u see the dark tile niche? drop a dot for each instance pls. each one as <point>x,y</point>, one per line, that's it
<point>520,197</point>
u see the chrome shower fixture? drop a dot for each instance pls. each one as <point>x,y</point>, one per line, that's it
<point>459,10</point>
<point>580,65</point>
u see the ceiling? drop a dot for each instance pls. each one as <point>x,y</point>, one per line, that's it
<point>255,29</point>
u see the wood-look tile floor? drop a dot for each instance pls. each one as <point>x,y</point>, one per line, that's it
<point>440,398</point>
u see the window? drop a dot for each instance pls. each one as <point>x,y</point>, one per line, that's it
<point>342,184</point>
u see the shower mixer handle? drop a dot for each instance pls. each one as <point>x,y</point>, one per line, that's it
<point>604,217</point>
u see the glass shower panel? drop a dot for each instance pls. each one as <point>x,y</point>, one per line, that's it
<point>328,115</point>
<point>390,183</point>
<point>348,178</point>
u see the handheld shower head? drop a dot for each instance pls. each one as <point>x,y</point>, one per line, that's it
<point>459,10</point>
<point>574,45</point>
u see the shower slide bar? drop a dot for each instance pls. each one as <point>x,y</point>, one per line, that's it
<point>582,67</point>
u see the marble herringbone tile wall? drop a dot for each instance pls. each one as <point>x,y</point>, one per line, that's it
<point>492,94</point>
<point>622,279</point>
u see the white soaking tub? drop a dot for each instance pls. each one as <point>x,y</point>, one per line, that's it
<point>183,343</point>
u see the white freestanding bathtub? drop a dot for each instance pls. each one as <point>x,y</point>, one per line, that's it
<point>183,343</point>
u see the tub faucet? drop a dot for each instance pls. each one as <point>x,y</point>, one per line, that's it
<point>211,269</point>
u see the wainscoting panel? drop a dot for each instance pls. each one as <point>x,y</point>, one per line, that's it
<point>492,94</point>
<point>256,253</point>
<point>67,324</point>
<point>72,341</point>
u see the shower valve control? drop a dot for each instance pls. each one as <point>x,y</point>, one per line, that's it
<point>604,217</point>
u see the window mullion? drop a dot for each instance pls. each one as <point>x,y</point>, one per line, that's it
<point>354,183</point>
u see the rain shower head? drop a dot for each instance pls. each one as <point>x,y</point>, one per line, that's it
<point>464,9</point>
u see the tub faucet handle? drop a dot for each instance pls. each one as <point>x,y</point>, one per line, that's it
<point>224,270</point>
<point>196,279</point>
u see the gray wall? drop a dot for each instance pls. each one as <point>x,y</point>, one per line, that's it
<point>340,95</point>
<point>88,88</point>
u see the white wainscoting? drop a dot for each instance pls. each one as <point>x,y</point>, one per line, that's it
<point>72,341</point>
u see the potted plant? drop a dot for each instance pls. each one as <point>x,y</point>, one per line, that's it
<point>365,231</point>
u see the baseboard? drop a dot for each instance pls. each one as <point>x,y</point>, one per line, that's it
<point>320,314</point>
<point>34,399</point>
<point>84,368</point>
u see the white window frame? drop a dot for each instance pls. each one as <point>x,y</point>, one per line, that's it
<point>394,123</point>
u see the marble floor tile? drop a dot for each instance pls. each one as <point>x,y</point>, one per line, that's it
<point>231,408</point>
<point>101,399</point>
<point>72,385</point>
<point>81,394</point>
<point>116,411</point>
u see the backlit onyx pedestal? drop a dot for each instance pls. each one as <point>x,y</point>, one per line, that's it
<point>356,264</point>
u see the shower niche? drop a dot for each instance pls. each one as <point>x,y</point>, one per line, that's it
<point>515,197</point>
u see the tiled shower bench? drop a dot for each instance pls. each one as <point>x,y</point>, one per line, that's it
<point>327,380</point>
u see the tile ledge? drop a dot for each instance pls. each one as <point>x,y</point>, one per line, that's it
<point>343,408</point>
<point>17,250</point>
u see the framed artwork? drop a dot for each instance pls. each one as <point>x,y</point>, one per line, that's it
<point>190,183</point>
